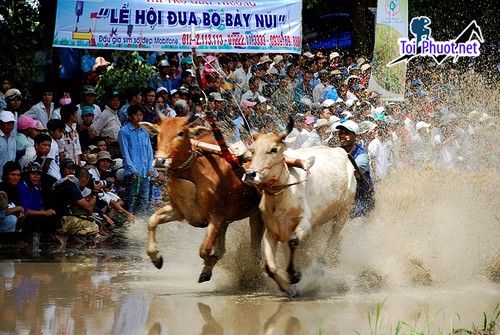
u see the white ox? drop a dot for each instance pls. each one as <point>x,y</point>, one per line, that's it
<point>294,201</point>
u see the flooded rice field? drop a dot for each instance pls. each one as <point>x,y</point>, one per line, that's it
<point>429,256</point>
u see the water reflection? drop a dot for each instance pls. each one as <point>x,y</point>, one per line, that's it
<point>115,293</point>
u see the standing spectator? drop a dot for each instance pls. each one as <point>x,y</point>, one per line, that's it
<point>84,132</point>
<point>88,99</point>
<point>162,77</point>
<point>70,139</point>
<point>107,125</point>
<point>421,147</point>
<point>137,154</point>
<point>379,150</point>
<point>44,110</point>
<point>5,85</point>
<point>134,97</point>
<point>304,92</point>
<point>51,164</point>
<point>148,105</point>
<point>7,138</point>
<point>282,99</point>
<point>14,100</point>
<point>364,200</point>
<point>88,62</point>
<point>253,93</point>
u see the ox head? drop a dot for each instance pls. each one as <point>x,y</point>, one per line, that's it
<point>267,158</point>
<point>174,145</point>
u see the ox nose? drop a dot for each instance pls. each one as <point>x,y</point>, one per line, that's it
<point>249,176</point>
<point>160,163</point>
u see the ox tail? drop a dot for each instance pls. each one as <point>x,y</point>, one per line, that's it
<point>228,156</point>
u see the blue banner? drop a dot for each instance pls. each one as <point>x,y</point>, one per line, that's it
<point>178,25</point>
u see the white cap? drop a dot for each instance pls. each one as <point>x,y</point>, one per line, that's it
<point>349,102</point>
<point>7,116</point>
<point>422,124</point>
<point>349,125</point>
<point>333,55</point>
<point>327,103</point>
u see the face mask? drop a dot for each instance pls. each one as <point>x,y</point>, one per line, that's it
<point>65,101</point>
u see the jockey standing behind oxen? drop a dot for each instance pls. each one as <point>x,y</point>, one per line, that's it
<point>365,197</point>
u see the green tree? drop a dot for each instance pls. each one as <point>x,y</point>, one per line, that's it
<point>128,70</point>
<point>20,33</point>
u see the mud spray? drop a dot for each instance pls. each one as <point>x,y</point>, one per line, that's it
<point>431,226</point>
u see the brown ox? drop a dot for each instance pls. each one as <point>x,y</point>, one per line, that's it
<point>203,189</point>
<point>295,201</point>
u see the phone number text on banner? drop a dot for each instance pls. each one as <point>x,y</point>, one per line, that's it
<point>178,25</point>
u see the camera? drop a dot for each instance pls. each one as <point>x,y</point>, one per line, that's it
<point>96,185</point>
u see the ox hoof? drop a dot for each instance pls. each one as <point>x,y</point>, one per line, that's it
<point>204,277</point>
<point>158,263</point>
<point>293,293</point>
<point>295,277</point>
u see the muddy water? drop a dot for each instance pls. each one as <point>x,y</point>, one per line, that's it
<point>429,254</point>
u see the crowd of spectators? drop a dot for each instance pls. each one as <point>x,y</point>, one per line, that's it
<point>70,167</point>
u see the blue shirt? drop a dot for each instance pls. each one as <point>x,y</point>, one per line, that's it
<point>7,149</point>
<point>123,115</point>
<point>155,82</point>
<point>29,197</point>
<point>136,149</point>
<point>364,200</point>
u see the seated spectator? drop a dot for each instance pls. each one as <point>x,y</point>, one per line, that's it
<point>11,177</point>
<point>37,219</point>
<point>27,129</point>
<point>75,209</point>
<point>7,222</point>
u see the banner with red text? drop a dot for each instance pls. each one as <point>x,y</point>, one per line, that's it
<point>176,25</point>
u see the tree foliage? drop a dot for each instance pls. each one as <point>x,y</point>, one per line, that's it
<point>20,33</point>
<point>128,70</point>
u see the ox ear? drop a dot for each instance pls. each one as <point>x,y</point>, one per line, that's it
<point>289,128</point>
<point>199,131</point>
<point>150,128</point>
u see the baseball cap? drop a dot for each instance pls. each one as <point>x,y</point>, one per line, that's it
<point>26,122</point>
<point>13,93</point>
<point>113,94</point>
<point>256,67</point>
<point>67,163</point>
<point>187,60</point>
<point>32,167</point>
<point>7,116</point>
<point>333,55</point>
<point>163,63</point>
<point>308,54</point>
<point>349,125</point>
<point>247,103</point>
<point>40,126</point>
<point>89,90</point>
<point>216,96</point>
<point>422,124</point>
<point>87,110</point>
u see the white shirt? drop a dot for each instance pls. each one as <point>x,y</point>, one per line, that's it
<point>107,124</point>
<point>38,112</point>
<point>379,151</point>
<point>53,154</point>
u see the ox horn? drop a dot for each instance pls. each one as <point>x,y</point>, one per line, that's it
<point>289,128</point>
<point>160,114</point>
<point>191,116</point>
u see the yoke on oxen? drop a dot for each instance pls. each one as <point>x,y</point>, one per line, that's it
<point>203,189</point>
